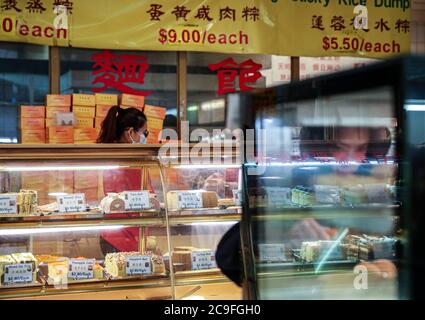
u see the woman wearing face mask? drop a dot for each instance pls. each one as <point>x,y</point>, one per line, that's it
<point>122,126</point>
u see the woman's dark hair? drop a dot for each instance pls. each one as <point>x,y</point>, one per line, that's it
<point>117,121</point>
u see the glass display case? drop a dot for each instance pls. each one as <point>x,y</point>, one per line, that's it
<point>332,204</point>
<point>112,222</point>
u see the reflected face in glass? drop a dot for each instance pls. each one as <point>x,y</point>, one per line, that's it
<point>351,144</point>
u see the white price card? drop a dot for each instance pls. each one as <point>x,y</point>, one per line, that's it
<point>271,252</point>
<point>138,265</point>
<point>136,200</point>
<point>203,260</point>
<point>327,194</point>
<point>8,203</point>
<point>80,269</point>
<point>71,203</point>
<point>189,199</point>
<point>18,273</point>
<point>278,196</point>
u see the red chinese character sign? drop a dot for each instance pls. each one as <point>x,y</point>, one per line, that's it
<point>117,71</point>
<point>227,70</point>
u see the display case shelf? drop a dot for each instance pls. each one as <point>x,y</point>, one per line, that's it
<point>187,219</point>
<point>200,277</point>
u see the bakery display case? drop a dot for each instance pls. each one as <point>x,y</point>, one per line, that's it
<point>331,204</point>
<point>97,220</point>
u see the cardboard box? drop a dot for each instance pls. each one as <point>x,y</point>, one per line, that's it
<point>33,111</point>
<point>58,100</point>
<point>98,122</point>
<point>126,107</point>
<point>102,110</point>
<point>154,136</point>
<point>86,179</point>
<point>84,122</point>
<point>33,136</point>
<point>84,111</point>
<point>32,123</point>
<point>132,100</point>
<point>52,111</point>
<point>83,100</point>
<point>85,134</point>
<point>154,111</point>
<point>60,134</point>
<point>106,99</point>
<point>50,122</point>
<point>155,123</point>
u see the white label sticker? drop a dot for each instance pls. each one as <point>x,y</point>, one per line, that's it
<point>18,273</point>
<point>8,203</point>
<point>278,196</point>
<point>81,269</point>
<point>203,260</point>
<point>190,200</point>
<point>72,202</point>
<point>377,193</point>
<point>138,265</point>
<point>327,194</point>
<point>271,252</point>
<point>136,200</point>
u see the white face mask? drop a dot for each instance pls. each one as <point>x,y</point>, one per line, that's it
<point>142,139</point>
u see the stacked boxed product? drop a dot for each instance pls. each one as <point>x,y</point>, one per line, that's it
<point>58,134</point>
<point>132,101</point>
<point>104,102</point>
<point>155,116</point>
<point>84,109</point>
<point>32,124</point>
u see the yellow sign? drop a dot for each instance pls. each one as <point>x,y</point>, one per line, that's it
<point>369,28</point>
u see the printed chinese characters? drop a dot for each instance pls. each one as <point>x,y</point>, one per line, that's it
<point>228,70</point>
<point>114,71</point>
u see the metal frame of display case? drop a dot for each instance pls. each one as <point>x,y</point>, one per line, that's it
<point>397,74</point>
<point>146,154</point>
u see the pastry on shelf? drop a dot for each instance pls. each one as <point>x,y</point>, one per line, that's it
<point>115,263</point>
<point>27,202</point>
<point>312,251</point>
<point>227,202</point>
<point>200,199</point>
<point>98,271</point>
<point>113,202</point>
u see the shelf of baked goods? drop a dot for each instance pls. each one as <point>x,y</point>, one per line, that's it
<point>26,274</point>
<point>323,256</point>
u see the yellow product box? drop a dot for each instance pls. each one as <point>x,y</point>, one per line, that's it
<point>86,179</point>
<point>84,111</point>
<point>84,122</point>
<point>154,136</point>
<point>83,100</point>
<point>33,111</point>
<point>50,122</point>
<point>155,123</point>
<point>33,136</point>
<point>126,107</point>
<point>52,111</point>
<point>106,99</point>
<point>32,123</point>
<point>60,134</point>
<point>98,122</point>
<point>132,100</point>
<point>58,100</point>
<point>85,134</point>
<point>102,110</point>
<point>154,111</point>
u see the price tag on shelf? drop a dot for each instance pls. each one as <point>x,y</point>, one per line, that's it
<point>138,265</point>
<point>278,196</point>
<point>18,273</point>
<point>71,203</point>
<point>189,199</point>
<point>203,260</point>
<point>9,203</point>
<point>271,252</point>
<point>136,200</point>
<point>80,269</point>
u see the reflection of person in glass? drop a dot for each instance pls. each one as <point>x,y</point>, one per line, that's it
<point>349,148</point>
